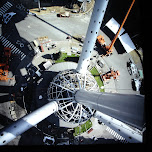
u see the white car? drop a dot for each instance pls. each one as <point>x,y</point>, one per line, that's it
<point>136,83</point>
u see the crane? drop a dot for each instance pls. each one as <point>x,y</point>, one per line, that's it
<point>100,38</point>
<point>125,115</point>
<point>115,38</point>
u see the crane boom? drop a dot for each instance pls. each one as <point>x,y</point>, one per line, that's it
<point>115,38</point>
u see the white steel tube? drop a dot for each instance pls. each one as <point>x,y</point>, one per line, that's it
<point>92,33</point>
<point>28,121</point>
<point>131,135</point>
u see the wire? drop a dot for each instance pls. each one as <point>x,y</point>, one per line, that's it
<point>41,131</point>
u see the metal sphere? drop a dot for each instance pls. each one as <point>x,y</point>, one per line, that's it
<point>63,88</point>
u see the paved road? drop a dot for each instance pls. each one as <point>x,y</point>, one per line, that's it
<point>119,62</point>
<point>55,28</point>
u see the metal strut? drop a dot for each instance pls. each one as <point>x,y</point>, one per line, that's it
<point>27,122</point>
<point>127,108</point>
<point>124,113</point>
<point>92,33</point>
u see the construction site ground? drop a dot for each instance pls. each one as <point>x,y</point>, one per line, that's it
<point>59,9</point>
<point>29,28</point>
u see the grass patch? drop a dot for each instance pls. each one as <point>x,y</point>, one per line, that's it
<point>96,75</point>
<point>99,82</point>
<point>82,128</point>
<point>63,56</point>
<point>94,72</point>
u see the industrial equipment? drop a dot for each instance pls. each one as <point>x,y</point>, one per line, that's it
<point>110,74</point>
<point>108,49</point>
<point>4,66</point>
<point>74,96</point>
<point>64,14</point>
<point>101,41</point>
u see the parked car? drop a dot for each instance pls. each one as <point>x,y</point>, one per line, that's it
<point>136,84</point>
<point>100,63</point>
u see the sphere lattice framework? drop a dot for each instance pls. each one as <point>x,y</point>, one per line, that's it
<point>63,88</point>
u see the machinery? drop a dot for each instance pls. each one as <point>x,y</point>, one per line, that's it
<point>65,14</point>
<point>74,96</point>
<point>110,74</point>
<point>101,41</point>
<point>4,66</point>
<point>115,38</point>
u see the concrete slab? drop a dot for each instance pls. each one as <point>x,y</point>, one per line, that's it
<point>99,131</point>
<point>63,66</point>
<point>58,29</point>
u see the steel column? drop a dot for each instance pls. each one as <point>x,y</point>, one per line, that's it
<point>92,33</point>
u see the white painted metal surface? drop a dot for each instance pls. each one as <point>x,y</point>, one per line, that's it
<point>25,123</point>
<point>113,25</point>
<point>127,42</point>
<point>47,65</point>
<point>92,33</point>
<point>130,134</point>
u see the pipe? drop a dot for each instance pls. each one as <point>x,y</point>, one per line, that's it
<point>92,33</point>
<point>27,122</point>
<point>130,134</point>
<point>127,108</point>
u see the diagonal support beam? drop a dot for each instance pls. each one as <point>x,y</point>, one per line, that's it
<point>127,108</point>
<point>27,122</point>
